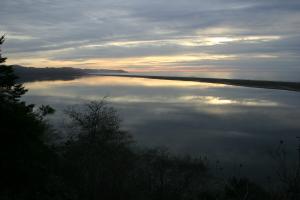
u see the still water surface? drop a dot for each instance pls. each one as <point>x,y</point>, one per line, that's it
<point>231,124</point>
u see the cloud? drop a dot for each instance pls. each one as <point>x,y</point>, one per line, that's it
<point>84,31</point>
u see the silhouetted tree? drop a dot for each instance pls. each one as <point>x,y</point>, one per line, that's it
<point>243,188</point>
<point>287,174</point>
<point>161,175</point>
<point>10,91</point>
<point>98,153</point>
<point>25,160</point>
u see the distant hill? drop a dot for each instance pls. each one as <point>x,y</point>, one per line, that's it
<point>62,73</point>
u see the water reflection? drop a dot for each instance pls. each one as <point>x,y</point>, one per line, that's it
<point>213,100</point>
<point>232,124</point>
<point>119,81</point>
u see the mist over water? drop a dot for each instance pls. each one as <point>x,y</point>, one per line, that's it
<point>235,125</point>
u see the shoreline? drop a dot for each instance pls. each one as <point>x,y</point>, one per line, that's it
<point>278,85</point>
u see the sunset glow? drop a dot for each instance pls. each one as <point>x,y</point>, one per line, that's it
<point>143,36</point>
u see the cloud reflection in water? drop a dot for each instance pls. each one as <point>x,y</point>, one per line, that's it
<point>233,124</point>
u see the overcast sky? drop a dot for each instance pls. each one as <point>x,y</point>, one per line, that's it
<point>156,35</point>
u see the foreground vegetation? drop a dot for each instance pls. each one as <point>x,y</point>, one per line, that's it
<point>99,160</point>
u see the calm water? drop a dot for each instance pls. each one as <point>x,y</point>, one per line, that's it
<point>231,124</point>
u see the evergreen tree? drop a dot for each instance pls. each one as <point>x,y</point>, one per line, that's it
<point>10,91</point>
<point>25,159</point>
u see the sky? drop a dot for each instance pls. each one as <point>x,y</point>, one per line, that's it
<point>154,36</point>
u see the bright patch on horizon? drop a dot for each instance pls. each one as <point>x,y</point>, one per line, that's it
<point>117,63</point>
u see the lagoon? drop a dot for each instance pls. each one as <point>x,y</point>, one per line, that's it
<point>228,124</point>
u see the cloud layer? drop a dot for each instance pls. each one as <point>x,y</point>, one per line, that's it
<point>142,35</point>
